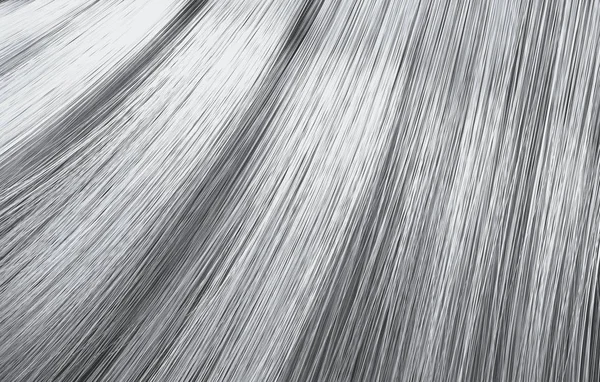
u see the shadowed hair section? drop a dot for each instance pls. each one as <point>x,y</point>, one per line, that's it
<point>313,190</point>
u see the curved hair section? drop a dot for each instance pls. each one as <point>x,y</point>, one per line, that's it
<point>286,190</point>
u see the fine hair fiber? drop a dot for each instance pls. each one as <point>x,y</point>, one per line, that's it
<point>300,190</point>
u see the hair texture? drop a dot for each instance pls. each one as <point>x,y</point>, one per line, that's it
<point>300,190</point>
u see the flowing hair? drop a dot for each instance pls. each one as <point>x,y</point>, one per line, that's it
<point>299,190</point>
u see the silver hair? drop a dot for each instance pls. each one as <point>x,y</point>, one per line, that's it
<point>299,190</point>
